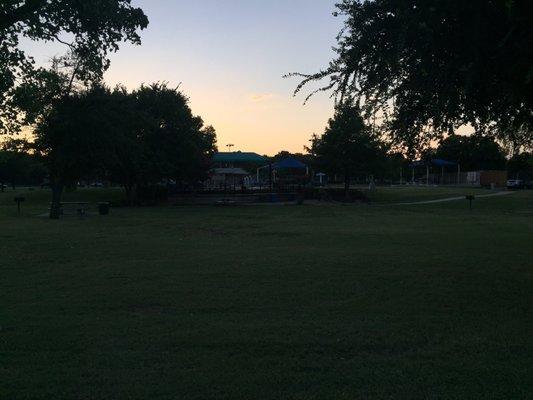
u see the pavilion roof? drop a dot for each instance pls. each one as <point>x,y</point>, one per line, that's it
<point>239,156</point>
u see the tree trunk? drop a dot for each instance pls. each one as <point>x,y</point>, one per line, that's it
<point>347,185</point>
<point>55,208</point>
<point>130,194</point>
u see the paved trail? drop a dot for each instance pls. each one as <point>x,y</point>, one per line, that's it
<point>452,199</point>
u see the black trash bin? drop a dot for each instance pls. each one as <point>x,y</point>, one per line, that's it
<point>103,208</point>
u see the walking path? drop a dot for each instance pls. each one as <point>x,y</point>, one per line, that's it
<point>452,199</point>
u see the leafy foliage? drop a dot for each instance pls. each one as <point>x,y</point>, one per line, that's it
<point>473,153</point>
<point>89,29</point>
<point>74,138</point>
<point>520,166</point>
<point>177,144</point>
<point>135,139</point>
<point>19,167</point>
<point>428,66</point>
<point>347,146</point>
<point>304,158</point>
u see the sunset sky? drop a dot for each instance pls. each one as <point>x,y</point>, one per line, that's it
<point>229,57</point>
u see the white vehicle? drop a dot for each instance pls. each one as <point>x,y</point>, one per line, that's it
<point>515,184</point>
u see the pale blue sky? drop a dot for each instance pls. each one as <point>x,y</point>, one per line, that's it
<point>229,56</point>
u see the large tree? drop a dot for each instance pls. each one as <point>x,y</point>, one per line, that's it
<point>135,139</point>
<point>75,139</point>
<point>473,152</point>
<point>178,145</point>
<point>430,66</point>
<point>347,147</point>
<point>89,29</point>
<point>521,166</point>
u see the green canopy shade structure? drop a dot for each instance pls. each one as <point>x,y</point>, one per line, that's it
<point>239,157</point>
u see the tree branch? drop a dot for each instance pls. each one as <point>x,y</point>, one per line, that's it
<point>20,13</point>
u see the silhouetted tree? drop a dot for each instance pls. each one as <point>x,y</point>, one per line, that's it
<point>75,139</point>
<point>520,166</point>
<point>136,139</point>
<point>347,146</point>
<point>395,167</point>
<point>19,167</point>
<point>474,152</point>
<point>304,158</point>
<point>90,30</point>
<point>430,66</point>
<point>42,97</point>
<point>177,144</point>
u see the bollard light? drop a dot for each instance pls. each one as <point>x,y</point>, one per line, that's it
<point>470,198</point>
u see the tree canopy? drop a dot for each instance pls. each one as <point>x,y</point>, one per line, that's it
<point>89,29</point>
<point>473,153</point>
<point>135,139</point>
<point>427,67</point>
<point>177,143</point>
<point>19,167</point>
<point>520,166</point>
<point>347,146</point>
<point>75,139</point>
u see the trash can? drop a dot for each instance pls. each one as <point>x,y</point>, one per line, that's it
<point>103,208</point>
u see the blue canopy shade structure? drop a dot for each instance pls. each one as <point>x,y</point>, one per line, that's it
<point>442,163</point>
<point>238,157</point>
<point>289,163</point>
<point>437,162</point>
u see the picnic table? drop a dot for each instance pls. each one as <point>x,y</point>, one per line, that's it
<point>79,206</point>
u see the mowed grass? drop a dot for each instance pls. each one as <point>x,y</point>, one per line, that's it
<point>406,194</point>
<point>310,302</point>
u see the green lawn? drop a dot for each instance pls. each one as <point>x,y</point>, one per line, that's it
<point>406,194</point>
<point>310,302</point>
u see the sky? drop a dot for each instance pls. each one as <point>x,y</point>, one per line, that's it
<point>229,57</point>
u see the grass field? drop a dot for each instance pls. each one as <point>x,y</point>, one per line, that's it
<point>333,302</point>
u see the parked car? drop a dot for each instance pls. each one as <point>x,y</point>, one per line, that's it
<point>515,184</point>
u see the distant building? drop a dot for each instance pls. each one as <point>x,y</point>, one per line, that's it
<point>487,178</point>
<point>227,178</point>
<point>233,170</point>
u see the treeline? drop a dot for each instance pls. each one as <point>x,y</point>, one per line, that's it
<point>19,167</point>
<point>149,136</point>
<point>350,148</point>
